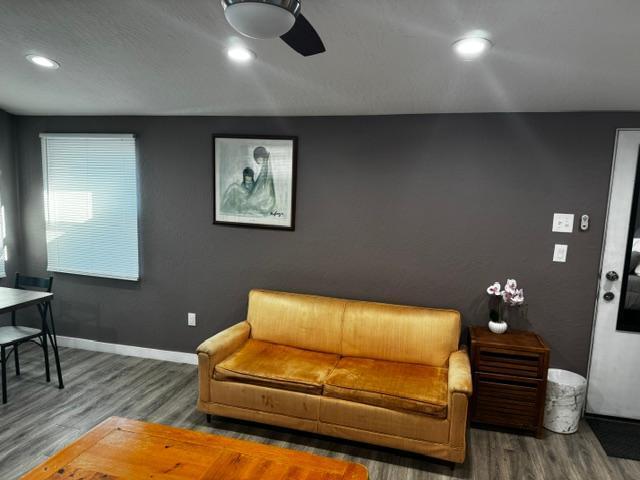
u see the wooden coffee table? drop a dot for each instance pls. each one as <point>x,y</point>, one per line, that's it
<point>119,448</point>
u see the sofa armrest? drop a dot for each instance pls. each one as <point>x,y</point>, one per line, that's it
<point>224,343</point>
<point>460,388</point>
<point>460,373</point>
<point>215,349</point>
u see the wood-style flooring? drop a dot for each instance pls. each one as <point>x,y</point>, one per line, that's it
<point>40,419</point>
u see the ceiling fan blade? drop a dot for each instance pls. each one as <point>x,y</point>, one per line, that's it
<point>303,38</point>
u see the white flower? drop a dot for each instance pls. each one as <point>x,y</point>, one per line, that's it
<point>511,286</point>
<point>494,289</point>
<point>518,298</point>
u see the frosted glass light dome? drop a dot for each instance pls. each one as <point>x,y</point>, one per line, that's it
<point>261,18</point>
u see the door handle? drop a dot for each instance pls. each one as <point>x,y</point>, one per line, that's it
<point>609,296</point>
<point>612,276</point>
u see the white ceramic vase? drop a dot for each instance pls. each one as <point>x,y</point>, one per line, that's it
<point>497,327</point>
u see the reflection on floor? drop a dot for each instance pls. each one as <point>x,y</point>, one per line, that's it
<point>40,419</point>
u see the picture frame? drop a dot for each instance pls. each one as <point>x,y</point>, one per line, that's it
<point>254,181</point>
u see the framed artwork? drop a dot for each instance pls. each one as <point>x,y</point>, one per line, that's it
<point>254,181</point>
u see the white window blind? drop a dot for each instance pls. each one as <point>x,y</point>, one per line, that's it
<point>91,204</point>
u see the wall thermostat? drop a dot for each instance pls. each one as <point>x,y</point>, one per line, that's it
<point>584,223</point>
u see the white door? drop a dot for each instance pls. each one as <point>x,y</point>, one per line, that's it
<point>614,372</point>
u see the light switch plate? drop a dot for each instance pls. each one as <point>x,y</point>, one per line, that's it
<point>563,222</point>
<point>560,253</point>
<point>191,319</point>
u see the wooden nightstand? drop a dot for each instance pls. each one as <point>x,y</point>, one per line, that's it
<point>509,379</point>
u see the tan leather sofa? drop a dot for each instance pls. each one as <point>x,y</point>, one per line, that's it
<point>388,375</point>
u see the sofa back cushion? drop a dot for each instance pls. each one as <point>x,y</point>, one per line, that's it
<point>400,333</point>
<point>303,321</point>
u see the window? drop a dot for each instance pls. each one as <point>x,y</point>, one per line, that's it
<point>91,204</point>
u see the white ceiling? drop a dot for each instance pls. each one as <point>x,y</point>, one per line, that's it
<point>167,57</point>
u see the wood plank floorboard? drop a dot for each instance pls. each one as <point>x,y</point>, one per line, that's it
<point>40,419</point>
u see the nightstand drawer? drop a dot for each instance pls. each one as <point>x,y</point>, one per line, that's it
<point>501,388</point>
<point>509,362</point>
<point>502,400</point>
<point>494,416</point>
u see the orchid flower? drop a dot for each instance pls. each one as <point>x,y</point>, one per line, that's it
<point>511,286</point>
<point>494,289</point>
<point>518,298</point>
<point>511,295</point>
<point>506,296</point>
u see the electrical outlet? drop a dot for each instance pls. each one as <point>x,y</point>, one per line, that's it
<point>191,319</point>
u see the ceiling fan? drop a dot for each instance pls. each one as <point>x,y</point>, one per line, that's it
<point>274,18</point>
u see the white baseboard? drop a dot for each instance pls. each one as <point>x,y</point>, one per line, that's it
<point>130,350</point>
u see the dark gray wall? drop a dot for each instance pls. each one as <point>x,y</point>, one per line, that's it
<point>424,210</point>
<point>9,195</point>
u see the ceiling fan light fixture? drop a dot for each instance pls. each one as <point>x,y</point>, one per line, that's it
<point>261,18</point>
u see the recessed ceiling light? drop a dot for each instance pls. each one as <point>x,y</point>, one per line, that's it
<point>472,47</point>
<point>240,54</point>
<point>43,61</point>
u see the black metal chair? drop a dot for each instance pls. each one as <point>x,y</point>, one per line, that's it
<point>11,337</point>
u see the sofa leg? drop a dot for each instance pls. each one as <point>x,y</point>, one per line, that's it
<point>451,465</point>
<point>208,418</point>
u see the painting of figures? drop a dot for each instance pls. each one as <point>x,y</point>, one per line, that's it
<point>254,181</point>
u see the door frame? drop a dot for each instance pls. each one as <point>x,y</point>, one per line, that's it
<point>626,149</point>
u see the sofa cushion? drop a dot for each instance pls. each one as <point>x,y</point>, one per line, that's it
<point>400,333</point>
<point>258,398</point>
<point>394,385</point>
<point>303,321</point>
<point>278,366</point>
<point>369,418</point>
